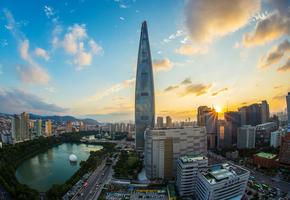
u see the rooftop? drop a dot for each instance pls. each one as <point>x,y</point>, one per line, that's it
<point>191,158</point>
<point>266,155</point>
<point>220,172</point>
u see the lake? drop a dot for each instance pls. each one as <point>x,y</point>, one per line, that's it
<point>43,170</point>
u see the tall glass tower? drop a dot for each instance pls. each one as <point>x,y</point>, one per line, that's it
<point>144,91</point>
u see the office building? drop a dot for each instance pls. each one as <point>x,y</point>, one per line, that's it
<point>288,107</point>
<point>16,134</point>
<point>159,122</point>
<point>48,128</point>
<point>276,137</point>
<point>265,112</point>
<point>246,137</point>
<point>222,181</point>
<point>187,168</point>
<point>243,114</point>
<point>265,160</point>
<point>232,123</point>
<point>220,134</point>
<point>284,154</point>
<point>69,127</point>
<point>24,126</point>
<point>164,146</point>
<point>144,91</point>
<point>38,127</point>
<point>168,122</point>
<point>207,117</point>
<point>263,133</point>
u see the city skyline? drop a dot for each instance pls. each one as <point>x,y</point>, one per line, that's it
<point>57,59</point>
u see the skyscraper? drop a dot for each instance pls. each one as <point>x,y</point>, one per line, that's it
<point>265,112</point>
<point>232,122</point>
<point>39,127</point>
<point>16,133</point>
<point>168,122</point>
<point>288,107</point>
<point>24,126</point>
<point>159,122</point>
<point>144,91</point>
<point>48,128</point>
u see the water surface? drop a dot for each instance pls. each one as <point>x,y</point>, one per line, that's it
<point>40,172</point>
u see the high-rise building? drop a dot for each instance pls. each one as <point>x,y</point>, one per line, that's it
<point>48,128</point>
<point>222,181</point>
<point>144,91</point>
<point>263,133</point>
<point>164,146</point>
<point>243,113</point>
<point>16,134</point>
<point>220,133</point>
<point>207,117</point>
<point>168,122</point>
<point>38,127</point>
<point>276,137</point>
<point>246,137</point>
<point>24,126</point>
<point>187,168</point>
<point>232,123</point>
<point>284,155</point>
<point>265,112</point>
<point>288,107</point>
<point>159,122</point>
<point>69,127</point>
<point>254,114</point>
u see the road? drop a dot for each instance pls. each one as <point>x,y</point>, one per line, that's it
<point>91,181</point>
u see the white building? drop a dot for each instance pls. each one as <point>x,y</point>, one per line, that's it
<point>246,137</point>
<point>187,169</point>
<point>222,181</point>
<point>164,146</point>
<point>276,137</point>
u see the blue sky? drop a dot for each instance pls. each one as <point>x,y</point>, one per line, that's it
<point>79,57</point>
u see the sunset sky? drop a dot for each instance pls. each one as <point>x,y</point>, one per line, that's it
<point>78,57</point>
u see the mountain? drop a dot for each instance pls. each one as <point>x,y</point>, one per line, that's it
<point>57,118</point>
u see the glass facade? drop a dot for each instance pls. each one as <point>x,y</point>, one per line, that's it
<point>144,91</point>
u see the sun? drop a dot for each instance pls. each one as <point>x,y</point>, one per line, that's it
<point>217,108</point>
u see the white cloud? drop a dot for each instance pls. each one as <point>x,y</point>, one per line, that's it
<point>189,49</point>
<point>31,72</point>
<point>173,36</point>
<point>162,65</point>
<point>41,53</point>
<point>77,43</point>
<point>49,11</point>
<point>207,19</point>
<point>113,89</point>
<point>122,18</point>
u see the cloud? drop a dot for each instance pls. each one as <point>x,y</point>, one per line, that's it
<point>275,54</point>
<point>285,67</point>
<point>16,101</point>
<point>31,72</point>
<point>207,19</point>
<point>113,89</point>
<point>197,89</point>
<point>41,53</point>
<point>170,88</point>
<point>280,97</point>
<point>122,18</point>
<point>189,49</point>
<point>219,91</point>
<point>272,27</point>
<point>173,36</point>
<point>186,81</point>
<point>49,11</point>
<point>77,43</point>
<point>162,65</point>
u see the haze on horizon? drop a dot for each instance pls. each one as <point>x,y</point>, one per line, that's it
<point>79,57</point>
